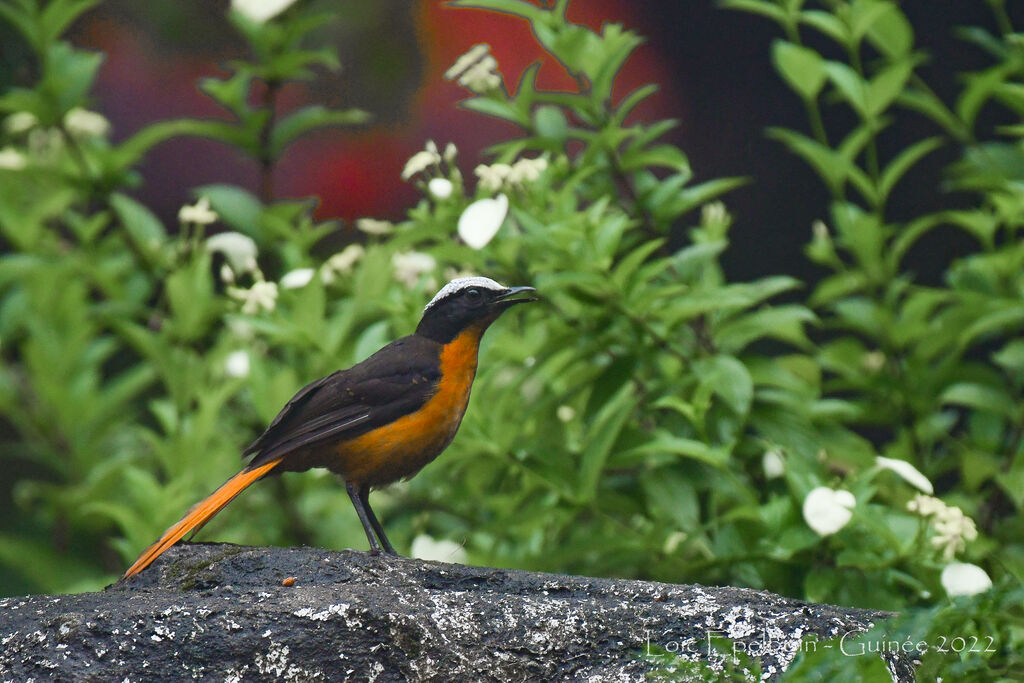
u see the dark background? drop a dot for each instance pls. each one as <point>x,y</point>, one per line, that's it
<point>713,66</point>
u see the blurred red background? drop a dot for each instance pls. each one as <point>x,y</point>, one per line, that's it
<point>713,67</point>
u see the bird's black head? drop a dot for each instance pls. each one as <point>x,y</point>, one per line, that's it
<point>467,302</point>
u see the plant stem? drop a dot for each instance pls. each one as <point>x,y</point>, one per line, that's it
<point>266,158</point>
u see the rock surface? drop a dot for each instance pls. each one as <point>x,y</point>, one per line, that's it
<point>222,612</point>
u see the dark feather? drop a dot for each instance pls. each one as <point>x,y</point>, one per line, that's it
<point>395,381</point>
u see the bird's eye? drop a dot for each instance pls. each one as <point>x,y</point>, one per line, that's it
<point>473,295</point>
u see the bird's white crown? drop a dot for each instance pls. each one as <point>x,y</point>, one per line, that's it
<point>461,284</point>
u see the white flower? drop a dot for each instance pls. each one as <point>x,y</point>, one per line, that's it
<point>237,364</point>
<point>910,474</point>
<point>773,464</point>
<point>450,152</point>
<point>19,122</point>
<point>953,529</point>
<point>827,510</point>
<point>421,161</point>
<point>820,231</point>
<point>527,170</point>
<point>82,123</point>
<point>492,177</point>
<point>241,329</point>
<point>473,55</point>
<point>199,213</point>
<point>342,262</point>
<point>925,505</point>
<point>260,10</point>
<point>426,548</point>
<point>12,160</point>
<point>261,295</point>
<point>963,578</point>
<point>672,542</point>
<point>239,250</point>
<point>410,265</point>
<point>480,221</point>
<point>566,413</point>
<point>475,70</point>
<point>873,361</point>
<point>441,188</point>
<point>372,226</point>
<point>713,213</point>
<point>297,279</point>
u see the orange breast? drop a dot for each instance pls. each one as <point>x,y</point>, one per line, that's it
<point>402,448</point>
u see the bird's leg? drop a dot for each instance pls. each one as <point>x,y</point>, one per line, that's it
<point>364,496</point>
<point>358,502</point>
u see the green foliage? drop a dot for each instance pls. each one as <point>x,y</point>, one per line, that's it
<point>649,418</point>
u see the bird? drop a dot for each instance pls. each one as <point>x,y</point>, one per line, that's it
<point>379,421</point>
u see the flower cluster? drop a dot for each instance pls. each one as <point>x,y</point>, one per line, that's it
<point>953,529</point>
<point>44,145</point>
<point>476,70</point>
<point>410,265</point>
<point>498,176</point>
<point>430,157</point>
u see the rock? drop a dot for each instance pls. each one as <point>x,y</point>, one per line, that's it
<point>229,613</point>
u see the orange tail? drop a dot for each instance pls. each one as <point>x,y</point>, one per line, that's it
<point>200,514</point>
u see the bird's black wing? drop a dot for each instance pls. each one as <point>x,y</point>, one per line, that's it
<point>395,381</point>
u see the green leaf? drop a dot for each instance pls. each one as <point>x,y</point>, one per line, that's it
<point>190,296</point>
<point>984,397</point>
<point>980,88</point>
<point>551,124</point>
<point>670,496</point>
<point>696,196</point>
<point>70,75</point>
<point>1011,356</point>
<point>602,433</point>
<point>498,108</point>
<point>132,150</point>
<point>667,156</point>
<point>237,207</point>
<point>891,33</point>
<point>925,102</point>
<point>765,9</point>
<point>667,443</point>
<point>864,14</point>
<point>850,85</point>
<point>630,101</point>
<point>832,167</point>
<point>1004,316</point>
<point>232,92</point>
<point>617,44</point>
<point>827,24</point>
<point>903,162</point>
<point>308,119</point>
<point>785,323</point>
<point>25,22</point>
<point>58,15</point>
<point>729,379</point>
<point>518,8</point>
<point>886,86</point>
<point>144,229</point>
<point>371,340</point>
<point>802,68</point>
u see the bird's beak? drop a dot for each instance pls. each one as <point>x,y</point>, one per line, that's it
<point>504,299</point>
